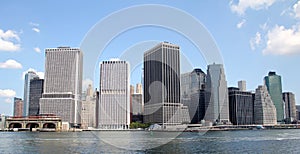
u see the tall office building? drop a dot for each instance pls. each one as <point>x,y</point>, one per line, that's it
<point>114,98</point>
<point>97,107</point>
<point>240,106</point>
<point>136,103</point>
<point>216,99</point>
<point>18,107</point>
<point>139,88</point>
<point>162,85</point>
<point>273,83</point>
<point>290,106</point>
<point>89,91</point>
<point>264,109</point>
<point>193,94</point>
<point>297,112</point>
<point>36,91</point>
<point>88,113</point>
<point>28,76</point>
<point>242,85</point>
<point>63,84</point>
<point>137,107</point>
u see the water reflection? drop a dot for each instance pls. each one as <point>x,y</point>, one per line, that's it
<point>266,141</point>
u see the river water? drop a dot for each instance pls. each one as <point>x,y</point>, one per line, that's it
<point>245,141</point>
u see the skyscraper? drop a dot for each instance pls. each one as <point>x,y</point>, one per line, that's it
<point>162,85</point>
<point>290,106</point>
<point>62,85</point>
<point>264,109</point>
<point>240,106</point>
<point>139,88</point>
<point>297,112</point>
<point>18,107</point>
<point>114,98</point>
<point>88,113</point>
<point>36,91</point>
<point>193,94</point>
<point>136,103</point>
<point>137,107</point>
<point>242,85</point>
<point>273,83</point>
<point>216,100</point>
<point>28,76</point>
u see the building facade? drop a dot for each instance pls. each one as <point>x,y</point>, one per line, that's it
<point>114,98</point>
<point>264,108</point>
<point>36,91</point>
<point>162,85</point>
<point>240,106</point>
<point>242,85</point>
<point>18,107</point>
<point>297,112</point>
<point>137,107</point>
<point>290,106</point>
<point>139,88</point>
<point>273,83</point>
<point>63,84</point>
<point>28,76</point>
<point>216,96</point>
<point>88,113</point>
<point>193,94</point>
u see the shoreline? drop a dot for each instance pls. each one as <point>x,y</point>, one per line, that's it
<point>195,129</point>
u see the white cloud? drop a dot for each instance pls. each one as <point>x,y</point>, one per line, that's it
<point>241,23</point>
<point>255,41</point>
<point>37,49</point>
<point>243,5</point>
<point>40,74</point>
<point>7,93</point>
<point>85,84</point>
<point>11,64</point>
<point>283,41</point>
<point>9,41</point>
<point>296,9</point>
<point>34,24</point>
<point>36,29</point>
<point>264,26</point>
<point>8,100</point>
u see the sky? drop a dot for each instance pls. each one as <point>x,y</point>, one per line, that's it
<point>253,38</point>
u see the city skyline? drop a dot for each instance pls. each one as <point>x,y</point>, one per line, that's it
<point>235,28</point>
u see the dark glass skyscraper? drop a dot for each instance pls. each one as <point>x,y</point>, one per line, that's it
<point>36,91</point>
<point>162,85</point>
<point>273,83</point>
<point>28,76</point>
<point>240,106</point>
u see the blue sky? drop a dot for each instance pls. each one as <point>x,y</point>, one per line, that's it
<point>254,37</point>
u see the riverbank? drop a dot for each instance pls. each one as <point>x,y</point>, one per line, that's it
<point>188,129</point>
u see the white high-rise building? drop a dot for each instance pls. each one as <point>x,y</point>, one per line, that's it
<point>28,76</point>
<point>63,84</point>
<point>216,99</point>
<point>114,95</point>
<point>264,108</point>
<point>242,85</point>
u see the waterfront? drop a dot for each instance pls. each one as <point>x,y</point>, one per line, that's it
<point>246,141</point>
